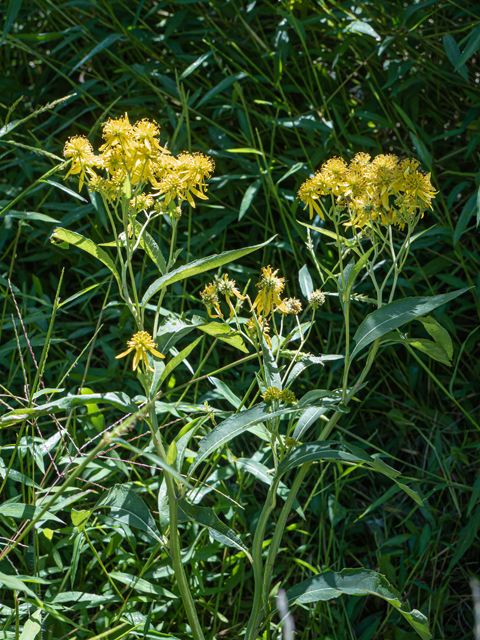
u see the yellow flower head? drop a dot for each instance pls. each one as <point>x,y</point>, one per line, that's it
<point>118,131</point>
<point>268,298</point>
<point>83,159</point>
<point>146,133</point>
<point>227,288</point>
<point>142,202</point>
<point>141,343</point>
<point>272,394</point>
<point>210,300</point>
<point>293,305</point>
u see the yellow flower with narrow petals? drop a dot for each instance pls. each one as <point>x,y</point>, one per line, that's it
<point>228,289</point>
<point>83,159</point>
<point>268,298</point>
<point>141,342</point>
<point>210,300</point>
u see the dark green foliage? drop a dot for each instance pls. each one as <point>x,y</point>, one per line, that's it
<point>270,90</point>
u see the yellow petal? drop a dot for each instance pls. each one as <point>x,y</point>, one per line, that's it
<point>136,359</point>
<point>125,353</point>
<point>156,353</point>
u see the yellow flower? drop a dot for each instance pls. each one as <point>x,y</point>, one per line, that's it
<point>293,305</point>
<point>146,132</point>
<point>310,192</point>
<point>83,159</point>
<point>268,297</point>
<point>418,189</point>
<point>210,300</point>
<point>227,288</point>
<point>141,343</point>
<point>118,131</point>
<point>142,201</point>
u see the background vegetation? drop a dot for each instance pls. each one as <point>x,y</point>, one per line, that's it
<point>269,89</point>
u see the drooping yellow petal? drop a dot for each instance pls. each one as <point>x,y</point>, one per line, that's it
<point>136,358</point>
<point>156,353</point>
<point>125,353</point>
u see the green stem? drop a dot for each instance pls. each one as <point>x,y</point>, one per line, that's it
<point>175,548</point>
<point>282,520</point>
<point>257,613</point>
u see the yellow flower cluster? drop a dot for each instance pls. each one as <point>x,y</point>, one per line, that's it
<point>393,190</point>
<point>133,151</point>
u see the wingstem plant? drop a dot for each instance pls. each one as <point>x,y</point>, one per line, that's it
<point>374,207</point>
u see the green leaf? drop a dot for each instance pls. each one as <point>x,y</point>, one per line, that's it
<point>218,530</point>
<point>305,281</point>
<point>195,65</point>
<point>232,427</point>
<point>358,26</point>
<point>472,45</point>
<point>453,52</point>
<point>395,314</point>
<point>139,584</point>
<point>80,518</point>
<point>128,507</point>
<point>431,349</point>
<point>224,84</point>
<point>25,512</point>
<point>474,497</point>
<point>322,450</point>
<point>272,375</point>
<point>224,333</point>
<point>62,187</point>
<point>172,454</point>
<point>104,44</point>
<point>14,583</point>
<point>439,334</point>
<point>248,197</point>
<point>78,294</point>
<point>198,266</point>
<point>356,582</point>
<point>33,626</point>
<point>151,248</point>
<point>12,12</point>
<point>64,235</point>
<point>178,359</point>
<point>352,276</point>
<point>119,400</point>
<point>30,215</point>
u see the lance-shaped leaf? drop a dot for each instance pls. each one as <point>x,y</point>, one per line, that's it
<point>198,266</point>
<point>218,529</point>
<point>65,235</point>
<point>222,332</point>
<point>15,584</point>
<point>119,400</point>
<point>393,315</point>
<point>357,582</point>
<point>178,359</point>
<point>322,450</point>
<point>126,506</point>
<point>232,427</point>
<point>25,512</point>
